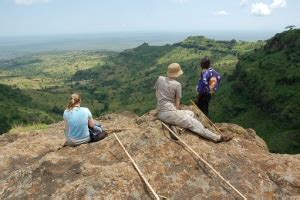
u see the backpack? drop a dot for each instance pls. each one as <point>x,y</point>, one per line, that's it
<point>218,78</point>
<point>210,79</point>
<point>97,133</point>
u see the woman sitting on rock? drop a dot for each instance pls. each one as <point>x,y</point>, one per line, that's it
<point>168,95</point>
<point>80,126</point>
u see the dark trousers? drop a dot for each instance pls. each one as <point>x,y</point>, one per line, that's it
<point>203,102</point>
<point>97,133</point>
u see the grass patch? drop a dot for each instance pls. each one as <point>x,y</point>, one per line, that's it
<point>28,127</point>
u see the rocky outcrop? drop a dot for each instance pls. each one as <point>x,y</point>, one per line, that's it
<point>34,165</point>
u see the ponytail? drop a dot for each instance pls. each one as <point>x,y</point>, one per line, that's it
<point>75,99</point>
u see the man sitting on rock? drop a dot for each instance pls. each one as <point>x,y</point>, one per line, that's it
<point>168,95</point>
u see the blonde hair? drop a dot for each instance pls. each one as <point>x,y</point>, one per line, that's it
<point>75,99</point>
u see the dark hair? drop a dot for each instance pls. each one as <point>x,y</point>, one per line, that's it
<point>205,63</point>
<point>75,98</point>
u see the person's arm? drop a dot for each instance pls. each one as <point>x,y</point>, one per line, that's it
<point>66,128</point>
<point>203,83</point>
<point>178,97</point>
<point>91,122</point>
<point>177,102</point>
<point>198,88</point>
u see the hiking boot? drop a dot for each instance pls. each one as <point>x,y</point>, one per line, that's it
<point>173,128</point>
<point>224,138</point>
<point>181,130</point>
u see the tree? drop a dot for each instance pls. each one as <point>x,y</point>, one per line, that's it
<point>290,27</point>
<point>4,125</point>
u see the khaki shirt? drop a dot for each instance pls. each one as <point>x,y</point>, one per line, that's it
<point>166,92</point>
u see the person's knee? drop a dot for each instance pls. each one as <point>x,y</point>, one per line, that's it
<point>162,116</point>
<point>191,113</point>
<point>187,122</point>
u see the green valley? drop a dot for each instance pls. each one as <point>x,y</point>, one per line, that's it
<point>260,84</point>
<point>35,89</point>
<point>126,81</point>
<point>109,82</point>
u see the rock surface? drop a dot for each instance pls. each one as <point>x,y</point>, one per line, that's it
<point>34,165</point>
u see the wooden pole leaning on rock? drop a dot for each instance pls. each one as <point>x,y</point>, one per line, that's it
<point>137,168</point>
<point>206,117</point>
<point>204,161</point>
<point>111,130</point>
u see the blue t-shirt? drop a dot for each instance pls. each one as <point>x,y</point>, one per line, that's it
<point>77,119</point>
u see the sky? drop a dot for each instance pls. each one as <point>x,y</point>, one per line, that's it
<point>52,17</point>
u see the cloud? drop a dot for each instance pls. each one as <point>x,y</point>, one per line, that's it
<point>243,2</point>
<point>30,2</point>
<point>221,12</point>
<point>278,4</point>
<point>260,9</point>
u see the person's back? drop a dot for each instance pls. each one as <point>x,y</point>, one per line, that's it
<point>78,131</point>
<point>80,126</point>
<point>167,89</point>
<point>207,85</point>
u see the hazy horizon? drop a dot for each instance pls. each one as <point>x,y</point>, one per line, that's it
<point>143,32</point>
<point>14,46</point>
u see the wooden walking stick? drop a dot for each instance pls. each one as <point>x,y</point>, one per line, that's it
<point>137,168</point>
<point>111,130</point>
<point>206,117</point>
<point>204,161</point>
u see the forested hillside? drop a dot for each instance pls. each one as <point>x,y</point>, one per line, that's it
<point>17,108</point>
<point>264,92</point>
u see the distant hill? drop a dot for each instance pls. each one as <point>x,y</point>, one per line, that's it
<point>264,92</point>
<point>125,81</point>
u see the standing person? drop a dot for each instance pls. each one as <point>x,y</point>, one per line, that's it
<point>168,95</point>
<point>80,126</point>
<point>208,84</point>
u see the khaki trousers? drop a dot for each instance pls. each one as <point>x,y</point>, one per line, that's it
<point>185,119</point>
